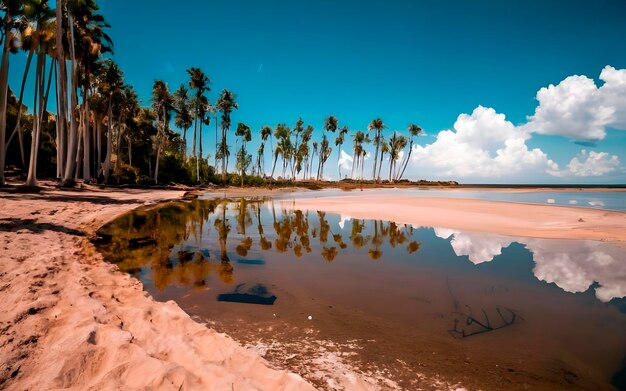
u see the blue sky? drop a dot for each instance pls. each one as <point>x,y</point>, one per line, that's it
<point>425,62</point>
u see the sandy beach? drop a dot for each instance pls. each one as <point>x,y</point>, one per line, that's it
<point>70,320</point>
<point>505,218</point>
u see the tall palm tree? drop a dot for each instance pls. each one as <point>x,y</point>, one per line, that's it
<point>298,129</point>
<point>41,16</point>
<point>330,125</point>
<point>396,145</point>
<point>110,84</point>
<point>225,104</point>
<point>384,150</point>
<point>12,11</point>
<point>338,143</point>
<point>283,144</point>
<point>78,25</point>
<point>357,139</point>
<point>324,153</point>
<point>315,152</point>
<point>304,151</point>
<point>91,41</point>
<point>162,104</point>
<point>414,131</point>
<point>377,126</point>
<point>199,82</point>
<point>266,131</point>
<point>243,158</point>
<point>183,118</point>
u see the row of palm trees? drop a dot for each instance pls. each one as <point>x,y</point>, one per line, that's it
<point>297,152</point>
<point>99,119</point>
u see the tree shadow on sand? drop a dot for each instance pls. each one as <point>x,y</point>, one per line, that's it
<point>16,224</point>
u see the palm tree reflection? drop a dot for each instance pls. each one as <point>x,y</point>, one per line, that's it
<point>173,241</point>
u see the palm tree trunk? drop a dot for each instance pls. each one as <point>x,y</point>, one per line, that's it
<point>156,167</point>
<point>106,169</point>
<point>376,154</point>
<point>406,163</point>
<point>380,166</point>
<point>61,91</point>
<point>71,153</point>
<point>98,125</point>
<point>17,128</point>
<point>130,151</point>
<point>339,157</point>
<point>4,90</point>
<point>86,131</point>
<point>31,180</point>
<point>195,135</point>
<point>274,166</point>
<point>200,150</point>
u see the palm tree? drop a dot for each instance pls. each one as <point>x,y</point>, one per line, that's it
<point>200,83</point>
<point>377,126</point>
<point>266,132</point>
<point>162,104</point>
<point>243,158</point>
<point>41,16</point>
<point>297,132</point>
<point>87,41</point>
<point>183,118</point>
<point>396,145</point>
<point>338,143</point>
<point>283,145</point>
<point>324,153</point>
<point>330,125</point>
<point>384,149</point>
<point>414,131</point>
<point>90,40</point>
<point>303,150</point>
<point>110,83</point>
<point>315,149</point>
<point>225,105</point>
<point>12,10</point>
<point>357,139</point>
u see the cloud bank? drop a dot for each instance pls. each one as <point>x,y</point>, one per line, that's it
<point>484,144</point>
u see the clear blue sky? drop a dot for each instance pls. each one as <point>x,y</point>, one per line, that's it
<point>405,61</point>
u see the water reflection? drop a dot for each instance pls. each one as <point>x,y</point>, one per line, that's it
<point>173,240</point>
<point>573,265</point>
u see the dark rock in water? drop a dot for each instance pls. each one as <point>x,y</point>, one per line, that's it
<point>140,242</point>
<point>251,261</point>
<point>257,294</point>
<point>190,195</point>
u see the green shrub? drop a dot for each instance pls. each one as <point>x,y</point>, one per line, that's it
<point>125,174</point>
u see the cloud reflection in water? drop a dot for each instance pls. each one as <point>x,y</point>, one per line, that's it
<point>573,265</point>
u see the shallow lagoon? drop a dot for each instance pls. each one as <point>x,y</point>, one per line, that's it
<point>394,301</point>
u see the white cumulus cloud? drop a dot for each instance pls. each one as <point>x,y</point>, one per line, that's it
<point>593,164</point>
<point>577,109</point>
<point>483,144</point>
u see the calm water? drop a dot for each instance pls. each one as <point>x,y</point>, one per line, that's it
<point>610,200</point>
<point>394,301</point>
